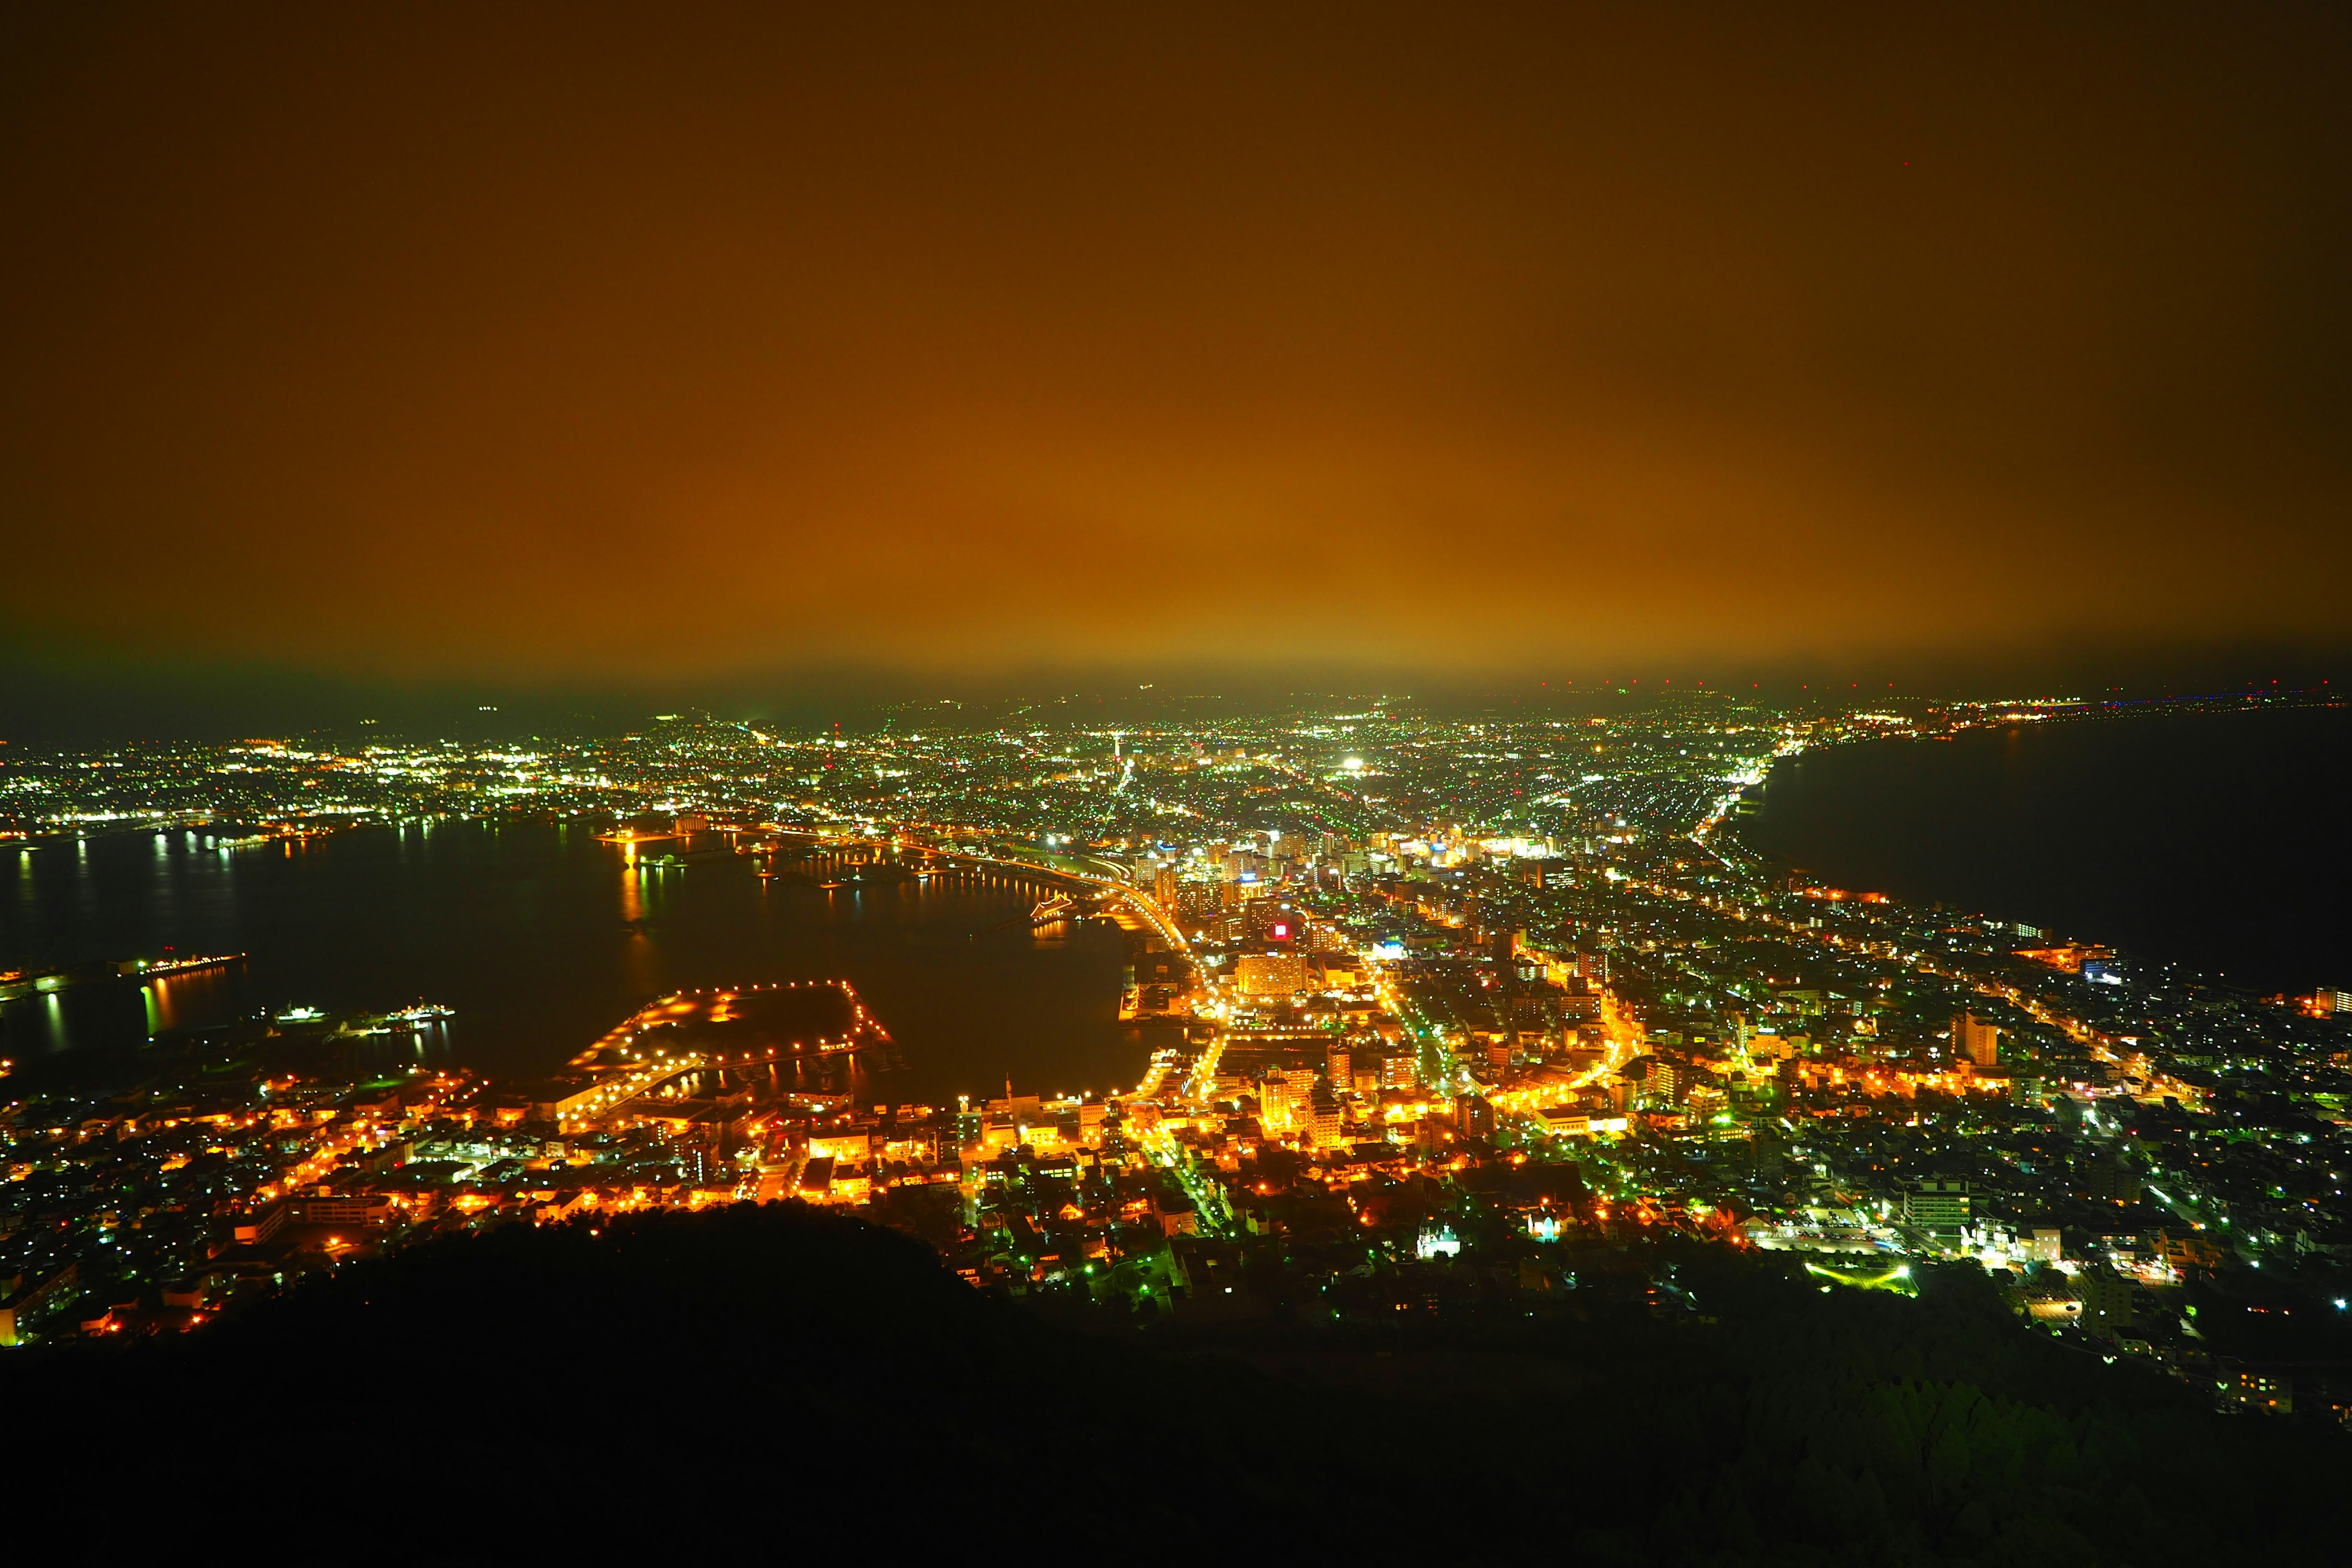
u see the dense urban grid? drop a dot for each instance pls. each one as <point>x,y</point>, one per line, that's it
<point>1451,1004</point>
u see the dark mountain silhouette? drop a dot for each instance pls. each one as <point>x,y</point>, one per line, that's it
<point>781,1383</point>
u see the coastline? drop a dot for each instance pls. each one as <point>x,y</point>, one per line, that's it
<point>2207,849</point>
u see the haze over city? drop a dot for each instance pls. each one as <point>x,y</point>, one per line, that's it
<point>573,347</point>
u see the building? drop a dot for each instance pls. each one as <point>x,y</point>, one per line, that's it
<point>2105,1176</point>
<point>1658,1084</point>
<point>364,1209</point>
<point>1284,1096</point>
<point>1339,1067</point>
<point>2106,1297</point>
<point>22,1308</point>
<point>1938,1206</point>
<point>843,1148</point>
<point>1336,971</point>
<point>1176,1213</point>
<point>816,1180</point>
<point>1975,1040</point>
<point>2267,1392</point>
<point>1323,1120</point>
<point>1474,1116</point>
<point>1271,973</point>
<point>2188,1251</point>
<point>1274,922</point>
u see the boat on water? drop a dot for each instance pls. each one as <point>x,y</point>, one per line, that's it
<point>692,855</point>
<point>150,968</point>
<point>413,1019</point>
<point>17,982</point>
<point>282,833</point>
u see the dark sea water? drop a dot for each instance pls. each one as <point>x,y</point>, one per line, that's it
<point>2220,840</point>
<point>525,928</point>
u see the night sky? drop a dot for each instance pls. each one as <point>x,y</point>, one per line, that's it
<point>546,343</point>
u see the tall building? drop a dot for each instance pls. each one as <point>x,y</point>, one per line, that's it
<point>1339,1066</point>
<point>2106,1176</point>
<point>1284,1096</point>
<point>2107,1299</point>
<point>1271,973</point>
<point>1975,1040</point>
<point>1658,1085</point>
<point>1938,1206</point>
<point>1474,1116</point>
<point>1273,921</point>
<point>1322,1118</point>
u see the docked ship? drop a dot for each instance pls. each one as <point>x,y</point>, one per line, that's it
<point>17,983</point>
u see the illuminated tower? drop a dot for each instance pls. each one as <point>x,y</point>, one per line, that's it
<point>1976,1039</point>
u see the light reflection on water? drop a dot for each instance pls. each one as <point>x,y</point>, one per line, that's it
<point>542,937</point>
